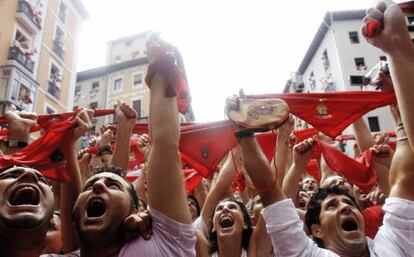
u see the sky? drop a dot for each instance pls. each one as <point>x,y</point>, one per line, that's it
<point>226,44</point>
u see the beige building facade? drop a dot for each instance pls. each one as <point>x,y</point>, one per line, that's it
<point>122,78</point>
<point>38,48</point>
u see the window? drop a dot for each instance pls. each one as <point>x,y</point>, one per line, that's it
<point>59,43</point>
<point>137,79</point>
<point>55,78</point>
<point>135,54</point>
<point>95,85</point>
<point>374,124</point>
<point>128,43</point>
<point>312,82</point>
<point>117,59</point>
<point>93,105</point>
<point>49,110</point>
<point>383,58</point>
<point>325,60</point>
<point>356,80</point>
<point>62,12</point>
<point>117,84</point>
<point>353,37</point>
<point>78,89</point>
<point>410,20</point>
<point>360,63</point>
<point>137,107</point>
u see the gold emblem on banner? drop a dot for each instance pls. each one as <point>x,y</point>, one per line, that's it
<point>322,111</point>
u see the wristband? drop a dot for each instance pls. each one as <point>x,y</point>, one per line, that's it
<point>400,127</point>
<point>106,149</point>
<point>15,143</point>
<point>243,133</point>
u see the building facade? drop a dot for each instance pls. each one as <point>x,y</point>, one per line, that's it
<point>38,49</point>
<point>337,60</point>
<point>122,78</point>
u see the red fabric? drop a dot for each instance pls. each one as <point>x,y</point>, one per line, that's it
<point>202,146</point>
<point>352,137</point>
<point>373,217</point>
<point>313,169</point>
<point>359,172</point>
<point>407,7</point>
<point>373,28</point>
<point>191,178</point>
<point>239,182</point>
<point>37,153</point>
<point>331,113</point>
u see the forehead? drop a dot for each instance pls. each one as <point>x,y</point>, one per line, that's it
<point>333,179</point>
<point>227,202</point>
<point>107,176</point>
<point>336,197</point>
<point>19,169</point>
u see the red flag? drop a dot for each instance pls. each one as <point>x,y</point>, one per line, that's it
<point>331,113</point>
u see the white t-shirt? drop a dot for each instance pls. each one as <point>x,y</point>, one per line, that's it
<point>395,237</point>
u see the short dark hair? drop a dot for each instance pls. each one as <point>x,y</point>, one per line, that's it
<point>246,232</point>
<point>120,172</point>
<point>314,207</point>
<point>192,198</point>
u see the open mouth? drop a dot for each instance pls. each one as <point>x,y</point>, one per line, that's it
<point>96,208</point>
<point>226,222</point>
<point>349,225</point>
<point>25,195</point>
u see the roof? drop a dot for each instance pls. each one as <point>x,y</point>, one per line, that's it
<point>323,29</point>
<point>104,70</point>
<point>81,9</point>
<point>122,39</point>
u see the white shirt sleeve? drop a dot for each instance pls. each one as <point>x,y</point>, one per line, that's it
<point>286,232</point>
<point>396,236</point>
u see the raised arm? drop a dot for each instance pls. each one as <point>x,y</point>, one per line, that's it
<point>302,153</point>
<point>220,189</point>
<point>282,146</point>
<point>70,191</point>
<point>126,118</point>
<point>395,41</point>
<point>363,136</point>
<point>166,192</point>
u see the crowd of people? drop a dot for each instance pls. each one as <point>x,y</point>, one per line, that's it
<point>57,201</point>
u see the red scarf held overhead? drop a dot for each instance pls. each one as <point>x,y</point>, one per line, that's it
<point>360,172</point>
<point>37,153</point>
<point>331,113</point>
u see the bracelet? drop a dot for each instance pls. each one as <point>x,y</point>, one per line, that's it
<point>14,143</point>
<point>106,149</point>
<point>243,133</point>
<point>404,138</point>
<point>400,126</point>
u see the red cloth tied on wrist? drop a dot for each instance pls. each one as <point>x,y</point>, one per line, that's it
<point>170,65</point>
<point>359,172</point>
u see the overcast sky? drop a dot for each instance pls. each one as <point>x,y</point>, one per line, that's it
<point>226,44</point>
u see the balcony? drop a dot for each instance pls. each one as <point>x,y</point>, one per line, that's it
<point>53,89</point>
<point>28,17</point>
<point>15,54</point>
<point>58,50</point>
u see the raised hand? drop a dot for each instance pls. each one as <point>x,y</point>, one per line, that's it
<point>302,152</point>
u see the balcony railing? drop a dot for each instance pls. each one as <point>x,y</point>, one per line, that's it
<point>54,90</point>
<point>58,50</point>
<point>29,16</point>
<point>15,54</point>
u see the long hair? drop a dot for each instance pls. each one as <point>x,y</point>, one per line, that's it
<point>247,232</point>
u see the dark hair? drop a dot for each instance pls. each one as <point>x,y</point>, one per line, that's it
<point>246,232</point>
<point>120,172</point>
<point>195,203</point>
<point>314,207</point>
